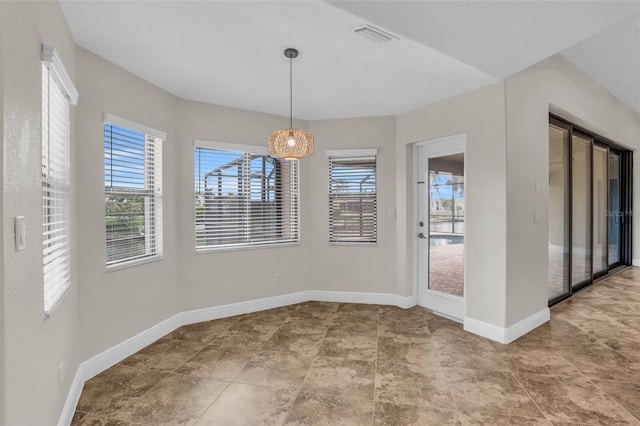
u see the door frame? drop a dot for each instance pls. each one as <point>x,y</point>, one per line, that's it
<point>443,304</point>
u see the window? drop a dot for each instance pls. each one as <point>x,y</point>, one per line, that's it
<point>132,192</point>
<point>58,93</point>
<point>244,197</point>
<point>352,196</point>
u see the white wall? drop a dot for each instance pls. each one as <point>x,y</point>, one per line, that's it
<point>556,85</point>
<point>480,115</point>
<point>33,347</point>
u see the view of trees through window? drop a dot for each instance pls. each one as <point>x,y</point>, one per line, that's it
<point>131,161</point>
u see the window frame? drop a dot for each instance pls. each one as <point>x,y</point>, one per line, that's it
<point>54,282</point>
<point>347,155</point>
<point>152,190</point>
<point>293,189</point>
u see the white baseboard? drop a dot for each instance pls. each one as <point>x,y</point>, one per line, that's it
<point>526,325</point>
<point>635,262</point>
<point>99,363</point>
<point>507,335</point>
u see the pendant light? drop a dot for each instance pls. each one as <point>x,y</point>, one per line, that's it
<point>290,144</point>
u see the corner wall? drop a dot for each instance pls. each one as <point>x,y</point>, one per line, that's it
<point>120,303</point>
<point>224,277</point>
<point>351,268</point>
<point>558,86</point>
<point>33,347</point>
<point>480,115</point>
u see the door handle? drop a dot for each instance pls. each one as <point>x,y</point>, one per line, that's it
<point>421,235</point>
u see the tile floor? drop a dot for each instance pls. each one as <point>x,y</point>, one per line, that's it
<point>345,364</point>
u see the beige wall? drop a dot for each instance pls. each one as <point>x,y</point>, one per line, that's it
<point>556,85</point>
<point>2,315</point>
<point>120,303</point>
<point>480,115</point>
<point>213,279</point>
<point>506,128</point>
<point>33,347</point>
<point>145,295</point>
<point>343,267</point>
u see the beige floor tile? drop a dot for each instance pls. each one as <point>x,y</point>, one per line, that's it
<point>399,383</point>
<point>242,404</point>
<point>574,399</point>
<point>328,410</point>
<point>625,393</point>
<point>275,369</point>
<point>343,345</point>
<point>218,361</point>
<point>490,392</point>
<point>176,400</point>
<point>116,388</point>
<point>203,332</point>
<point>598,361</point>
<point>345,378</point>
<point>484,419</point>
<point>536,360</point>
<point>326,363</point>
<point>294,339</point>
<point>165,354</point>
<point>422,352</point>
<point>402,414</point>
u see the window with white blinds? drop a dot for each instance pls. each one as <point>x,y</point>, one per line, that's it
<point>352,196</point>
<point>244,197</point>
<point>133,192</point>
<point>58,93</point>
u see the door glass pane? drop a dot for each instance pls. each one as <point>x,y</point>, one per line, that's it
<point>446,224</point>
<point>600,159</point>
<point>558,283</point>
<point>581,215</point>
<point>614,208</point>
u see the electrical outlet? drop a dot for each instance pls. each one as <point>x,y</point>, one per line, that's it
<point>278,279</point>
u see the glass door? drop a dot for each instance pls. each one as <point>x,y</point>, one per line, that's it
<point>614,211</point>
<point>441,226</point>
<point>590,189</point>
<point>600,207</point>
<point>580,210</point>
<point>559,211</point>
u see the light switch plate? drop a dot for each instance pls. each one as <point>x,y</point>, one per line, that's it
<point>537,215</point>
<point>21,232</point>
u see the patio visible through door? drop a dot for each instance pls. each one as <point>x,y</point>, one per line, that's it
<point>441,226</point>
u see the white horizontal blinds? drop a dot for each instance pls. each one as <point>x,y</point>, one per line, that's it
<point>133,197</point>
<point>55,189</point>
<point>244,199</point>
<point>352,199</point>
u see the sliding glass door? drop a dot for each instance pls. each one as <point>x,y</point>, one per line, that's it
<point>589,183</point>
<point>615,210</point>
<point>559,210</point>
<point>600,208</point>
<point>580,209</point>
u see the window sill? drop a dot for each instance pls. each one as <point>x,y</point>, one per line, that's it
<point>353,244</point>
<point>245,248</point>
<point>133,263</point>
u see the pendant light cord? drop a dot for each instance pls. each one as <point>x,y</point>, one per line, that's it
<point>291,93</point>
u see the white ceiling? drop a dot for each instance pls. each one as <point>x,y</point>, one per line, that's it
<point>230,52</point>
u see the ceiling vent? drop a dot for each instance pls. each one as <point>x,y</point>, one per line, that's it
<point>375,34</point>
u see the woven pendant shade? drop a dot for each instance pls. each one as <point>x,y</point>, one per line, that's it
<point>291,144</point>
